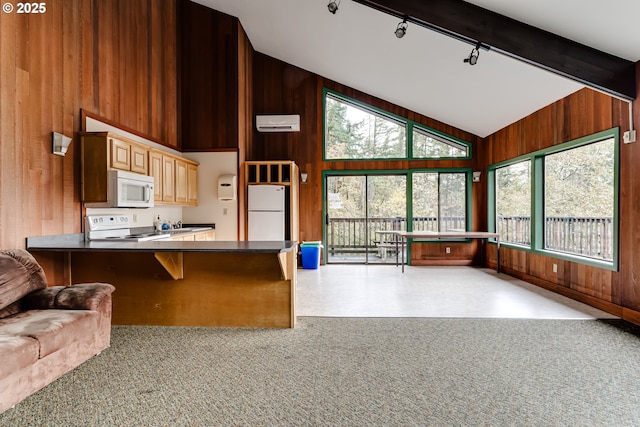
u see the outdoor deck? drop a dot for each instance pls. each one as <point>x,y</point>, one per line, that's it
<point>361,240</point>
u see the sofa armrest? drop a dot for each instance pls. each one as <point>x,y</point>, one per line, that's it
<point>83,296</point>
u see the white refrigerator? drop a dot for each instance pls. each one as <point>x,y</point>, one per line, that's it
<point>266,212</point>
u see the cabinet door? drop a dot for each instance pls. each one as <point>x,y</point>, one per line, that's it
<point>181,182</point>
<point>192,184</point>
<point>139,160</point>
<point>155,170</point>
<point>168,179</point>
<point>120,154</point>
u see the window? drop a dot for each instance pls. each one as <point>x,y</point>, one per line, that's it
<point>561,201</point>
<point>429,145</point>
<point>439,201</point>
<point>356,131</point>
<point>513,202</point>
<point>579,200</point>
<point>353,132</point>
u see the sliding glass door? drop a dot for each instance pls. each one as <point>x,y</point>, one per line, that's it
<point>360,211</point>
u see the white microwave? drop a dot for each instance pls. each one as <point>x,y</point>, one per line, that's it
<point>127,190</point>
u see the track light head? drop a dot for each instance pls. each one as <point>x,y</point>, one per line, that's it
<point>401,30</point>
<point>333,6</point>
<point>473,56</point>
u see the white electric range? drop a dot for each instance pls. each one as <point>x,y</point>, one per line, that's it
<point>112,228</point>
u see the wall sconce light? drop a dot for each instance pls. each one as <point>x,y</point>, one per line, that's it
<point>401,30</point>
<point>303,177</point>
<point>474,55</point>
<point>333,6</point>
<point>60,143</point>
<point>476,176</point>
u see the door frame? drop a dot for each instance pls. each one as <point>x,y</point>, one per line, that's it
<point>408,197</point>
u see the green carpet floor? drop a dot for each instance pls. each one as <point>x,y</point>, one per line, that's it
<point>353,372</point>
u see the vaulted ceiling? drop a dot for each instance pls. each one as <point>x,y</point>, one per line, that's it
<point>424,71</point>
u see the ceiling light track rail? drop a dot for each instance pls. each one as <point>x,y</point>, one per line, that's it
<point>471,24</point>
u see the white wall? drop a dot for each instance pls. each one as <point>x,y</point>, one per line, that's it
<point>223,213</point>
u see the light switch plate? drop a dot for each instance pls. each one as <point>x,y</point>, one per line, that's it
<point>629,136</point>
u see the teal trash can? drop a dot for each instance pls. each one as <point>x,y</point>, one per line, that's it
<point>310,254</point>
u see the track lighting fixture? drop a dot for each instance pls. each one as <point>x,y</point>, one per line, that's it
<point>333,6</point>
<point>401,30</point>
<point>473,56</point>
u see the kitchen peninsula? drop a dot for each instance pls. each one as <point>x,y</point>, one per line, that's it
<point>187,283</point>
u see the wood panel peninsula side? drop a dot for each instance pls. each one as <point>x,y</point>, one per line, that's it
<point>187,283</point>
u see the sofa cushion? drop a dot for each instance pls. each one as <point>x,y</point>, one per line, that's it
<point>54,329</point>
<point>83,296</point>
<point>20,274</point>
<point>16,353</point>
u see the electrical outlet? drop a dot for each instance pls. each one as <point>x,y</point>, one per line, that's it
<point>224,211</point>
<point>555,268</point>
<point>447,250</point>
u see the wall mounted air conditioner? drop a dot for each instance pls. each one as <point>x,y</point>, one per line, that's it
<point>289,123</point>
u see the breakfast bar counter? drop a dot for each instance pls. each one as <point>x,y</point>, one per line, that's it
<point>187,283</point>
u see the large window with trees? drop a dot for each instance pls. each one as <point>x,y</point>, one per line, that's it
<point>439,201</point>
<point>579,186</point>
<point>354,132</point>
<point>430,145</point>
<point>564,198</point>
<point>357,131</point>
<point>513,202</point>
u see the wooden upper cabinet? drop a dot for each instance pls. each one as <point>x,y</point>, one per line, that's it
<point>155,170</point>
<point>172,175</point>
<point>192,184</point>
<point>168,179</point>
<point>102,151</point>
<point>181,182</point>
<point>175,178</point>
<point>139,159</point>
<point>120,154</point>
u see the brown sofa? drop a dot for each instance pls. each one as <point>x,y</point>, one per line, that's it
<point>45,331</point>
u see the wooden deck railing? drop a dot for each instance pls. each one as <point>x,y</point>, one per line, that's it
<point>355,235</point>
<point>592,237</point>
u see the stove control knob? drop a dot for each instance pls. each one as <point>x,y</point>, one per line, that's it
<point>123,219</point>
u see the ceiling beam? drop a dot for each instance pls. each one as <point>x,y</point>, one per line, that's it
<point>471,23</point>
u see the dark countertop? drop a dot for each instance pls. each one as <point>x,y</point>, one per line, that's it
<point>76,243</point>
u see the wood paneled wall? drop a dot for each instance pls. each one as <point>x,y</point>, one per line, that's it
<point>280,88</point>
<point>210,75</point>
<point>580,114</point>
<point>245,114</point>
<point>116,59</point>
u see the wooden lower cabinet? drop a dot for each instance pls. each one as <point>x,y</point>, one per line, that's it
<point>215,289</point>
<point>207,236</point>
<point>204,236</point>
